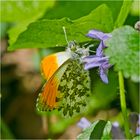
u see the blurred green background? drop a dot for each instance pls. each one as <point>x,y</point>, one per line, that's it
<point>21,80</point>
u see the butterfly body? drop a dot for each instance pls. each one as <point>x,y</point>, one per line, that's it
<point>68,83</point>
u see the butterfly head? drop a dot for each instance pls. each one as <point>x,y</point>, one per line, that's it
<point>75,51</point>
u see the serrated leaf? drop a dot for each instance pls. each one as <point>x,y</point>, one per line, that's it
<point>22,13</point>
<point>72,10</point>
<point>49,33</point>
<point>97,130</point>
<point>123,50</point>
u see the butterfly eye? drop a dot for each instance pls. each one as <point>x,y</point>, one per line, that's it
<point>72,46</point>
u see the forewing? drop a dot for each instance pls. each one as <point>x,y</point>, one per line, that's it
<point>48,96</point>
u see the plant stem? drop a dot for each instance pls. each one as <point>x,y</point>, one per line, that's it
<point>123,105</point>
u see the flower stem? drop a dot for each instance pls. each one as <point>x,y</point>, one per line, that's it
<point>123,105</point>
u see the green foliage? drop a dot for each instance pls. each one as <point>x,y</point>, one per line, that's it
<point>136,138</point>
<point>97,130</point>
<point>102,94</point>
<point>5,131</point>
<point>123,50</point>
<point>22,13</point>
<point>77,9</point>
<point>135,10</point>
<point>123,13</point>
<point>61,125</point>
<point>49,33</point>
<point>15,11</point>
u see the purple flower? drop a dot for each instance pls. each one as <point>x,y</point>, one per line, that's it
<point>100,36</point>
<point>83,123</point>
<point>98,60</point>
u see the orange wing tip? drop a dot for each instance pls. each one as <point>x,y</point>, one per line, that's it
<point>49,65</point>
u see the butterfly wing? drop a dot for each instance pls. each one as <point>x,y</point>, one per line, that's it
<point>52,62</point>
<point>66,90</point>
<point>75,88</point>
<point>47,98</point>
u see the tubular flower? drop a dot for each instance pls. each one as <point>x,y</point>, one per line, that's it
<point>83,123</point>
<point>100,36</point>
<point>98,60</point>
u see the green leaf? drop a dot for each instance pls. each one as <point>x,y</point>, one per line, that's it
<point>135,10</point>
<point>123,50</point>
<point>97,130</point>
<point>22,13</point>
<point>72,10</point>
<point>123,13</point>
<point>106,132</point>
<point>49,33</point>
<point>5,131</point>
<point>15,11</point>
<point>16,30</point>
<point>87,132</point>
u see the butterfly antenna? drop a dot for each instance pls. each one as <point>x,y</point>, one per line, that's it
<point>66,38</point>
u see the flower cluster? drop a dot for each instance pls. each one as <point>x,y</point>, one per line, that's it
<point>98,60</point>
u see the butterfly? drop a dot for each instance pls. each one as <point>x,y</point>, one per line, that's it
<point>68,84</point>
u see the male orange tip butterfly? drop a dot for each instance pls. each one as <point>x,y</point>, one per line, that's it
<point>68,84</point>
